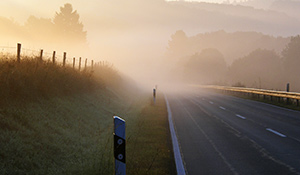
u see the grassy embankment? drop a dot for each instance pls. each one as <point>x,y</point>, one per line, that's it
<point>150,148</point>
<point>56,120</point>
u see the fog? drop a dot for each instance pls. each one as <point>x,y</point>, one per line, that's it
<point>161,42</point>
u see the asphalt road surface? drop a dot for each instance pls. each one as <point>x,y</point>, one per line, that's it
<point>220,134</point>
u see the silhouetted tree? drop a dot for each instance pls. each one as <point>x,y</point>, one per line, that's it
<point>40,28</point>
<point>178,44</point>
<point>229,44</point>
<point>68,25</point>
<point>291,56</point>
<point>207,67</point>
<point>259,69</point>
<point>10,30</point>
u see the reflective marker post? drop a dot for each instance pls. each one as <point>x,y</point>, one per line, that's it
<point>119,146</point>
<point>154,95</point>
<point>288,90</point>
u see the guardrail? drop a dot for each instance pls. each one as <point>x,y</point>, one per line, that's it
<point>288,97</point>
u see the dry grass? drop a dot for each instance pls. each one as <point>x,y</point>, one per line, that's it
<point>56,120</point>
<point>31,79</point>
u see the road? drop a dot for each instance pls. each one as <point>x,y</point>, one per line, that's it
<point>220,134</point>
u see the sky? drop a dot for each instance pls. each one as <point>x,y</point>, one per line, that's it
<point>134,34</point>
<point>20,9</point>
<point>211,1</point>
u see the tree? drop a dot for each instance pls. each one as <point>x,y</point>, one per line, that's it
<point>207,67</point>
<point>259,69</point>
<point>178,45</point>
<point>291,57</point>
<point>68,25</point>
<point>10,31</point>
<point>40,28</point>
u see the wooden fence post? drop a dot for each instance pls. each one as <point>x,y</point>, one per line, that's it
<point>73,62</point>
<point>64,59</point>
<point>18,52</point>
<point>85,64</point>
<point>79,63</point>
<point>53,57</point>
<point>41,55</point>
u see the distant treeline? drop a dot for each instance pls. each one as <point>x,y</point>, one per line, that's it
<point>236,59</point>
<point>65,29</point>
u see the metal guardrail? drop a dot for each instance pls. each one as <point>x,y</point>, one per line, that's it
<point>271,93</point>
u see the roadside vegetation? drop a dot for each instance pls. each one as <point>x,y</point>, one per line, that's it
<point>149,143</point>
<point>31,80</point>
<point>58,120</point>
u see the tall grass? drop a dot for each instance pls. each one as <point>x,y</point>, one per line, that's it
<point>31,79</point>
<point>57,120</point>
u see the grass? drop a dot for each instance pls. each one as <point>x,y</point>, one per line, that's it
<point>70,135</point>
<point>149,145</point>
<point>31,79</point>
<point>62,124</point>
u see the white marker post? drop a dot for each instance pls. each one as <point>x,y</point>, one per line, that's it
<point>119,146</point>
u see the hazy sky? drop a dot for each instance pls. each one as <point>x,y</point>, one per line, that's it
<point>212,1</point>
<point>20,10</point>
<point>136,32</point>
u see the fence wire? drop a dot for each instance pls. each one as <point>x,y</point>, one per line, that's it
<point>11,52</point>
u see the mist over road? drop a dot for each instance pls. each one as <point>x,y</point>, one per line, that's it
<point>221,134</point>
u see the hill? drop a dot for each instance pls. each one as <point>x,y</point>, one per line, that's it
<point>232,45</point>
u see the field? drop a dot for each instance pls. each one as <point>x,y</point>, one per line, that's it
<point>56,120</point>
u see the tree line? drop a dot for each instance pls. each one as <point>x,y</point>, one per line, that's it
<point>64,29</point>
<point>260,68</point>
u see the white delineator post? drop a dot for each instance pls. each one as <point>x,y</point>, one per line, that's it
<point>119,146</point>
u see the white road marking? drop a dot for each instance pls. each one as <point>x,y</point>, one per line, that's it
<point>240,116</point>
<point>177,155</point>
<point>222,108</point>
<point>211,102</point>
<point>275,132</point>
<point>212,143</point>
